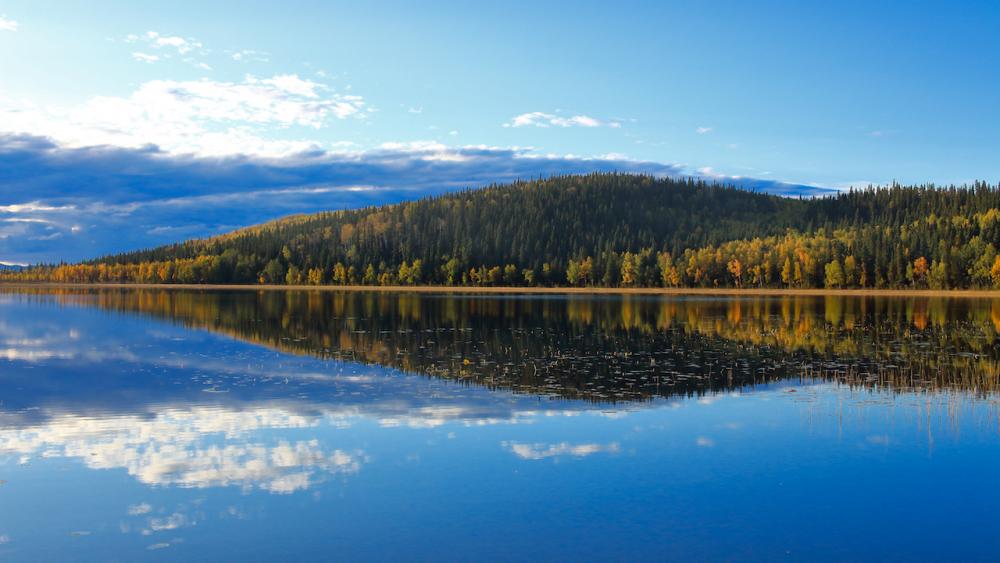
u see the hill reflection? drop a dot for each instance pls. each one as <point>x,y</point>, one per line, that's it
<point>604,349</point>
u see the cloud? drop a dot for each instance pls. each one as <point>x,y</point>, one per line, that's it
<point>202,117</point>
<point>541,119</point>
<point>156,546</point>
<point>250,55</point>
<point>7,24</point>
<point>186,49</point>
<point>172,522</point>
<point>138,509</point>
<point>535,452</point>
<point>106,199</point>
<point>157,40</point>
<point>182,45</point>
<point>145,57</point>
<point>182,448</point>
<point>703,130</point>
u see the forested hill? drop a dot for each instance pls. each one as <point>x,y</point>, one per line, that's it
<point>601,229</point>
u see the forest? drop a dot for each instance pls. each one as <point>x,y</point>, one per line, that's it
<point>599,230</point>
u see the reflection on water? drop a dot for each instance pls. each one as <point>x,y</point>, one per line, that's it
<point>379,426</point>
<point>176,447</point>
<point>603,349</point>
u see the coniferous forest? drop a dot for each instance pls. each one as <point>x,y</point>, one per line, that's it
<point>601,230</point>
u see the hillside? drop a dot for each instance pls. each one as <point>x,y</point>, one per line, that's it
<point>602,229</point>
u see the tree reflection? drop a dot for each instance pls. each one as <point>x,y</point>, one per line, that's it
<point>604,348</point>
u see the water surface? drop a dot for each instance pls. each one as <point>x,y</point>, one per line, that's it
<point>244,425</point>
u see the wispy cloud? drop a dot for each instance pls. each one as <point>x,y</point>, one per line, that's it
<point>250,55</point>
<point>7,24</point>
<point>157,40</point>
<point>535,452</point>
<point>703,130</point>
<point>542,119</point>
<point>138,509</point>
<point>186,49</point>
<point>145,57</point>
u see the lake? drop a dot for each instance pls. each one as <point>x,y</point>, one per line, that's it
<point>143,424</point>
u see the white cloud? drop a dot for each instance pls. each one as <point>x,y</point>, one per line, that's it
<point>157,40</point>
<point>32,207</point>
<point>156,546</point>
<point>203,117</point>
<point>536,452</point>
<point>248,55</point>
<point>145,57</point>
<point>141,508</point>
<point>179,43</point>
<point>180,448</point>
<point>167,47</point>
<point>615,156</point>
<point>172,522</point>
<point>703,130</point>
<point>7,24</point>
<point>542,119</point>
<point>26,220</point>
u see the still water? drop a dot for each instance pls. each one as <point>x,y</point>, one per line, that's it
<point>154,425</point>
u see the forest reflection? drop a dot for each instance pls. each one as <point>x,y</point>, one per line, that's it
<point>605,349</point>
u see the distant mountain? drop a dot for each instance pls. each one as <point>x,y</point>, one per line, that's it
<point>607,230</point>
<point>130,198</point>
<point>785,189</point>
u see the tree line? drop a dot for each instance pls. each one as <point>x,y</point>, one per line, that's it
<point>601,230</point>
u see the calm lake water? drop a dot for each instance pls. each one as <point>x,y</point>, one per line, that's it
<point>153,425</point>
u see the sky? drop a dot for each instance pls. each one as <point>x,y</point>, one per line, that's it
<point>125,125</point>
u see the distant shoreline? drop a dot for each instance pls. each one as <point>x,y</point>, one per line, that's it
<point>956,293</point>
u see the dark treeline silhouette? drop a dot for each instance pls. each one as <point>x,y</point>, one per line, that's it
<point>603,230</point>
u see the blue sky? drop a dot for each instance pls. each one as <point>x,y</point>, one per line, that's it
<point>788,92</point>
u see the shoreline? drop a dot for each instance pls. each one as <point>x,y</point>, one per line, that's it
<point>665,291</point>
